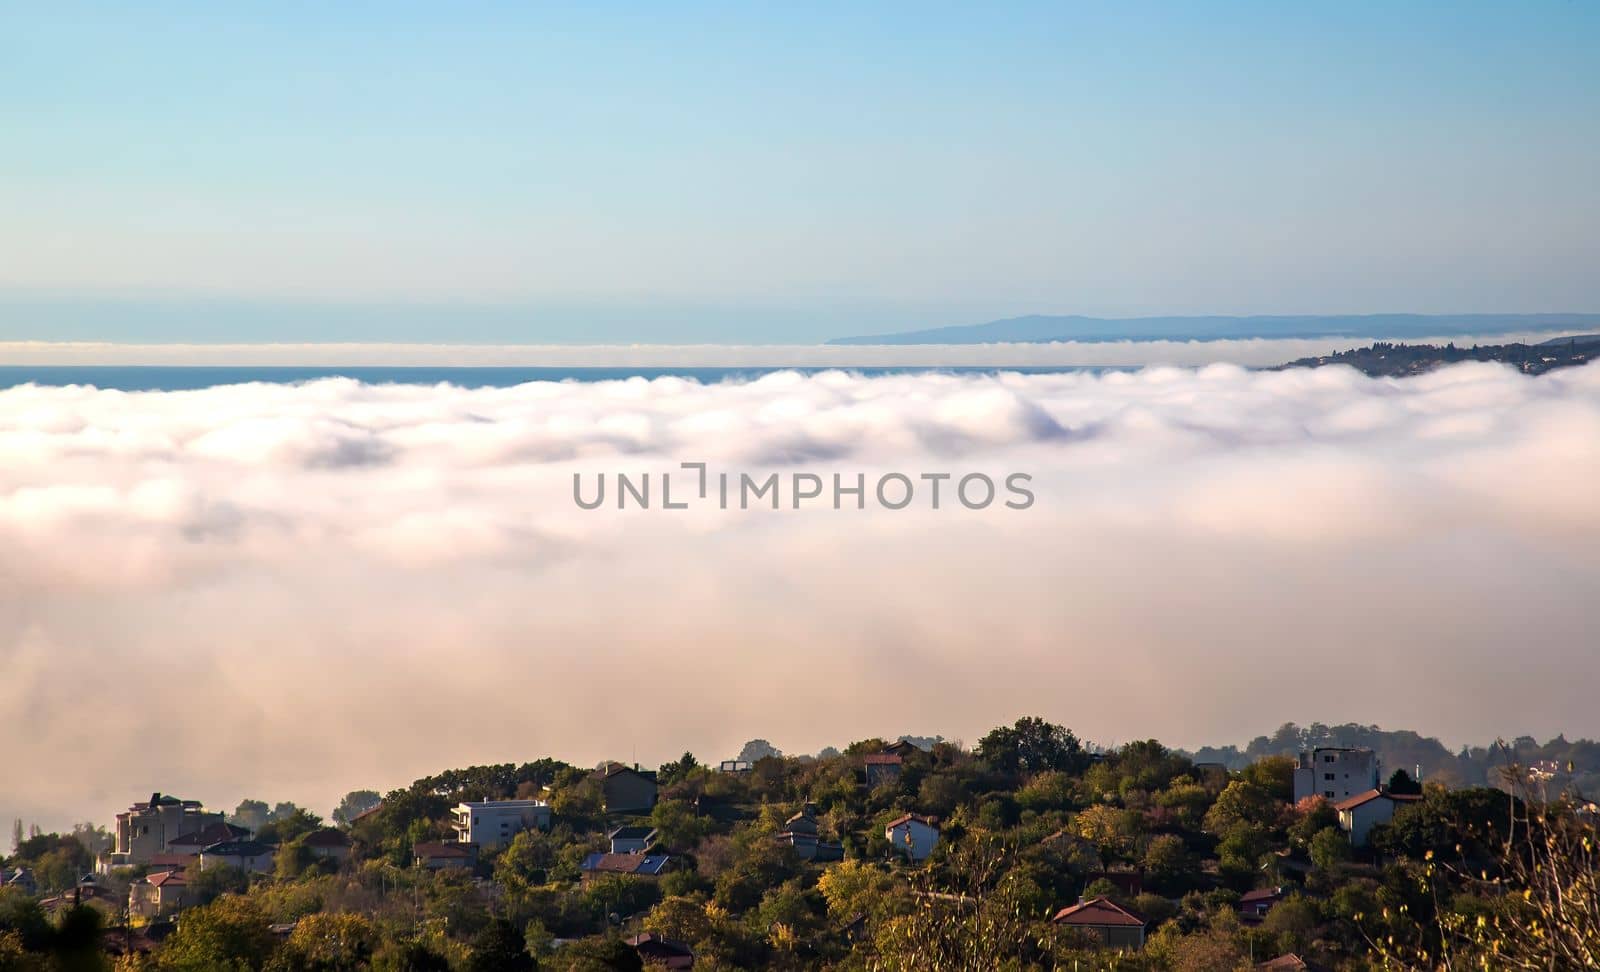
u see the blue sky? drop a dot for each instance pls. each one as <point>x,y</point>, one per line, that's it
<point>479,172</point>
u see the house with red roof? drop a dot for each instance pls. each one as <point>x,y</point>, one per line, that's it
<point>599,864</point>
<point>883,768</point>
<point>1114,925</point>
<point>435,855</point>
<point>159,895</point>
<point>330,843</point>
<point>658,952</point>
<point>1254,905</point>
<point>1360,813</point>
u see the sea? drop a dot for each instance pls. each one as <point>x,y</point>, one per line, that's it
<point>139,378</point>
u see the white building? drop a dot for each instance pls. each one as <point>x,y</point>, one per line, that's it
<point>912,835</point>
<point>1335,774</point>
<point>492,823</point>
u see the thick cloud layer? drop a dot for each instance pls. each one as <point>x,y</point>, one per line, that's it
<point>292,591</point>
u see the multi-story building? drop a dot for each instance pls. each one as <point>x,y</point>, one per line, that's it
<point>1335,773</point>
<point>492,823</point>
<point>148,828</point>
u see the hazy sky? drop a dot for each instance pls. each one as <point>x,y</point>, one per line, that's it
<point>481,172</point>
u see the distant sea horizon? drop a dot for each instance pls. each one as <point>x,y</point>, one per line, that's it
<point>168,378</point>
<point>182,367</point>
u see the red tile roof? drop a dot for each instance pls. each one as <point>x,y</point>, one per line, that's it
<point>1361,799</point>
<point>1098,912</point>
<point>907,818</point>
<point>326,837</point>
<point>165,878</point>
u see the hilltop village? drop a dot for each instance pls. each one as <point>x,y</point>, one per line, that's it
<point>1028,850</point>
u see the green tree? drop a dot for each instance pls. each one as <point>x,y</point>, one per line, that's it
<point>1401,782</point>
<point>292,822</point>
<point>1243,803</point>
<point>680,918</point>
<point>1274,774</point>
<point>677,826</point>
<point>354,804</point>
<point>331,942</point>
<point>1330,848</point>
<point>1167,861</point>
<point>228,935</point>
<point>501,947</point>
<point>676,770</point>
<point>853,887</point>
<point>1031,746</point>
<point>252,815</point>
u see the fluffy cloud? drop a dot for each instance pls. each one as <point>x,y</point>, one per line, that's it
<point>291,591</point>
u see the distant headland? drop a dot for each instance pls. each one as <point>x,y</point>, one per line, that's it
<point>1042,328</point>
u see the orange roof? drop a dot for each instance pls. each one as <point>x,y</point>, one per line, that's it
<point>165,878</point>
<point>1361,799</point>
<point>908,817</point>
<point>1098,911</point>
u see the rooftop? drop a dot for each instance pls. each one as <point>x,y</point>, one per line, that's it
<point>1360,799</point>
<point>1098,911</point>
<point>442,849</point>
<point>647,864</point>
<point>501,804</point>
<point>635,832</point>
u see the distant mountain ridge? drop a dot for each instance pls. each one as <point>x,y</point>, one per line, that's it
<point>1044,328</point>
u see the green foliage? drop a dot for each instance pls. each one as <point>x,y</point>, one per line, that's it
<point>678,827</point>
<point>501,947</point>
<point>1032,745</point>
<point>1243,803</point>
<point>288,822</point>
<point>330,942</point>
<point>228,935</point>
<point>1330,848</point>
<point>1025,823</point>
<point>354,804</point>
<point>678,769</point>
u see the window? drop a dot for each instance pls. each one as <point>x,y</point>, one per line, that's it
<point>1328,794</point>
<point>1329,759</point>
<point>1327,776</point>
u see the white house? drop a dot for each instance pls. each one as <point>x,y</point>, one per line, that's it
<point>1335,774</point>
<point>1360,813</point>
<point>913,835</point>
<point>492,823</point>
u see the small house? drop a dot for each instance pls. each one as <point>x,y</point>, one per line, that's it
<point>913,835</point>
<point>1114,925</point>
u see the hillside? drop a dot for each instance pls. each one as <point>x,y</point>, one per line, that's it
<point>1387,360</point>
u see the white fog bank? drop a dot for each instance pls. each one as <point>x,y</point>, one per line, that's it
<point>293,591</point>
